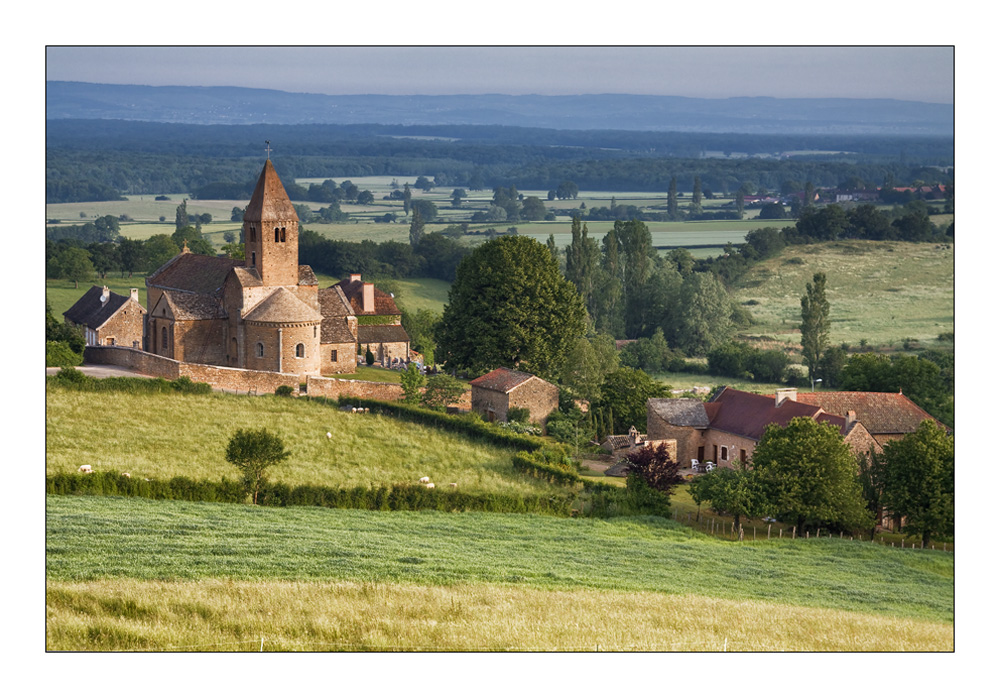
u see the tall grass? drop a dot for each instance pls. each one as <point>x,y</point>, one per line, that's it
<point>239,616</point>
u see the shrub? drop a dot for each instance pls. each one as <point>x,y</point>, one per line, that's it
<point>284,391</point>
<point>60,354</point>
<point>518,414</point>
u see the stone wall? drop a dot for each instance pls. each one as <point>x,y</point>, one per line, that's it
<point>333,388</point>
<point>244,380</point>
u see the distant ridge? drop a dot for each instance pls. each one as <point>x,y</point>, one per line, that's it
<point>755,115</point>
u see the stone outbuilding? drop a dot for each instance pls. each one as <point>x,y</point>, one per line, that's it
<point>107,318</point>
<point>502,389</point>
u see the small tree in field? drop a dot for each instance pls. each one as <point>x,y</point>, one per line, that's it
<point>442,390</point>
<point>253,451</point>
<point>412,381</point>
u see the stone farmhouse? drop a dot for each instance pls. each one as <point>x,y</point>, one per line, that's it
<point>266,312</point>
<point>107,318</point>
<point>502,389</point>
<point>729,425</point>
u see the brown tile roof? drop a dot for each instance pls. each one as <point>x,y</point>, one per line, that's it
<point>501,380</point>
<point>195,273</point>
<point>90,311</point>
<point>193,306</point>
<point>269,201</point>
<point>681,412</point>
<point>332,303</point>
<point>380,334</point>
<point>335,330</point>
<point>306,276</point>
<point>354,290</point>
<point>881,413</point>
<point>282,306</point>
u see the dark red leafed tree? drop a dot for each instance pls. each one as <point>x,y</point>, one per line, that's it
<point>655,466</point>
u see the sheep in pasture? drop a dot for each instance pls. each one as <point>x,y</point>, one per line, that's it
<point>452,484</point>
<point>430,485</point>
<point>425,479</point>
<point>329,435</point>
<point>127,475</point>
<point>86,469</point>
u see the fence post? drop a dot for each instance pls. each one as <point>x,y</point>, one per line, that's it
<point>793,532</point>
<point>769,531</point>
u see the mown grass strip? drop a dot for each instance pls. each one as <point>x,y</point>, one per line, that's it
<point>107,537</point>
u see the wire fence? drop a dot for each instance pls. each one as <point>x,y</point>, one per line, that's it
<point>728,530</point>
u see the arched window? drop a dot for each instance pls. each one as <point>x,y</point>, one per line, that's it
<point>260,350</point>
<point>163,338</point>
<point>277,233</point>
<point>282,234</point>
<point>253,259</point>
<point>300,350</point>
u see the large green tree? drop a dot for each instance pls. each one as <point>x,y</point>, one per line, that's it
<point>624,394</point>
<point>510,306</point>
<point>806,473</point>
<point>918,480</point>
<point>815,322</point>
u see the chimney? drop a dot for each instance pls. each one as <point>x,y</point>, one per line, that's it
<point>134,294</point>
<point>852,418</point>
<point>368,298</point>
<point>355,277</point>
<point>782,394</point>
<point>105,295</point>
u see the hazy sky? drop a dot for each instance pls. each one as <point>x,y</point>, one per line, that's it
<point>911,73</point>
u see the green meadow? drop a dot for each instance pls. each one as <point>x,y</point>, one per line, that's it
<point>116,432</point>
<point>142,574</point>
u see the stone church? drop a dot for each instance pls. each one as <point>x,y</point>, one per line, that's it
<point>265,312</point>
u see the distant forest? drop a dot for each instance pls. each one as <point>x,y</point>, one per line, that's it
<point>93,160</point>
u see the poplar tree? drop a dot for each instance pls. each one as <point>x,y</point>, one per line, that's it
<point>815,322</point>
<point>672,199</point>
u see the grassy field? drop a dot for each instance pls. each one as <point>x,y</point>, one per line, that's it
<point>879,292</point>
<point>108,559</point>
<point>118,432</point>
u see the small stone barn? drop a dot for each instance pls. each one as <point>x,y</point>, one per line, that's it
<point>502,389</point>
<point>108,319</point>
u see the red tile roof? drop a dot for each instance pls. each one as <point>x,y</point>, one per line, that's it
<point>501,380</point>
<point>881,413</point>
<point>354,291</point>
<point>748,414</point>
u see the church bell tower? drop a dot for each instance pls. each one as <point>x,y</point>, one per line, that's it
<point>271,231</point>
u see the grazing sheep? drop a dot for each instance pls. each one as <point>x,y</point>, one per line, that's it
<point>329,435</point>
<point>425,479</point>
<point>127,475</point>
<point>430,485</point>
<point>86,469</point>
<point>452,484</point>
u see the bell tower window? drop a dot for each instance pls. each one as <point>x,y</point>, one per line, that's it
<point>277,234</point>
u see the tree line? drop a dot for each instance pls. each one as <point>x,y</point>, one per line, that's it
<point>142,158</point>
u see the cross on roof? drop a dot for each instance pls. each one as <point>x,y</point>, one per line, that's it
<point>268,149</point>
